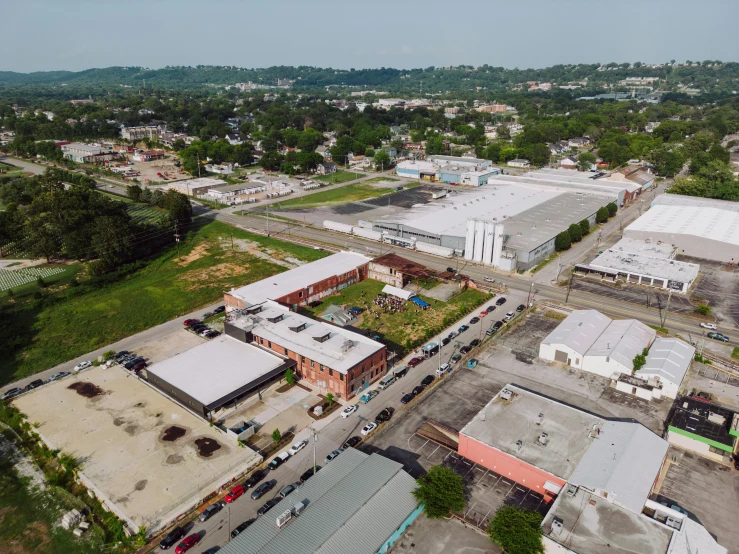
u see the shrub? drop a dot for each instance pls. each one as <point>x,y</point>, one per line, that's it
<point>40,281</point>
<point>442,491</point>
<point>290,377</point>
<point>585,227</point>
<point>562,242</point>
<point>575,232</point>
<point>602,215</point>
<point>108,355</point>
<point>703,309</point>
<point>612,209</point>
<point>516,530</point>
<point>330,398</point>
<point>639,361</point>
<point>276,435</point>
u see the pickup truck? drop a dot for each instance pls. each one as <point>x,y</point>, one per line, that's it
<point>367,396</point>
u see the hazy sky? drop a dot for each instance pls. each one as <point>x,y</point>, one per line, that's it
<point>81,34</point>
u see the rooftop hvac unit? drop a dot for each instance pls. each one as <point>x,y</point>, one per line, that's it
<point>506,394</point>
<point>298,508</point>
<point>543,439</point>
<point>557,526</point>
<point>284,517</point>
<point>540,419</point>
<point>519,444</point>
<point>571,491</point>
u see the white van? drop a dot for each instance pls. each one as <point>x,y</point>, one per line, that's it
<point>386,381</point>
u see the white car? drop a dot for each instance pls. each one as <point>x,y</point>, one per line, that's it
<point>488,279</point>
<point>82,365</point>
<point>443,369</point>
<point>349,410</point>
<point>297,447</point>
<point>367,429</point>
<point>711,326</point>
<point>509,316</point>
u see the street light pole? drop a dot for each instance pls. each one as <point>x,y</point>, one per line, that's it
<point>315,440</point>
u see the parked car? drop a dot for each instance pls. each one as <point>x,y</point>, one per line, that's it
<point>206,315</point>
<point>139,366</point>
<point>472,363</point>
<point>718,336</point>
<point>234,493</point>
<point>445,341</point>
<point>462,329</point>
<point>310,473</point>
<point>497,325</point>
<point>417,390</point>
<point>711,326</point>
<point>34,384</point>
<point>509,316</point>
<point>465,349</point>
<point>474,342</point>
<point>210,511</point>
<point>450,270</point>
<point>445,368</point>
<point>288,489</point>
<point>482,314</point>
<point>367,396</point>
<point>385,415</point>
<point>267,507</point>
<point>349,410</point>
<point>426,381</point>
<point>407,398</point>
<point>488,279</point>
<point>367,429</point>
<point>474,320</point>
<point>500,301</point>
<point>332,455</point>
<point>351,442</point>
<point>172,537</point>
<point>452,335</point>
<point>455,358</point>
<point>130,364</point>
<point>205,331</point>
<point>520,308</point>
<point>278,460</point>
<point>219,310</point>
<point>11,393</point>
<point>82,365</point>
<point>241,528</point>
<point>212,334</point>
<point>187,543</point>
<point>415,361</point>
<point>490,309</point>
<point>122,354</point>
<point>189,322</point>
<point>262,489</point>
<point>297,447</point>
<point>254,478</point>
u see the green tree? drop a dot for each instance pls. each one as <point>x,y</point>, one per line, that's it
<point>330,398</point>
<point>381,160</point>
<point>290,377</point>
<point>276,435</point>
<point>435,145</point>
<point>309,140</point>
<point>503,132</point>
<point>575,232</point>
<point>612,209</point>
<point>442,492</point>
<point>601,215</point>
<point>563,241</point>
<point>585,227</point>
<point>517,531</point>
<point>134,192</point>
<point>639,361</point>
<point>703,309</point>
<point>585,160</point>
<point>271,161</point>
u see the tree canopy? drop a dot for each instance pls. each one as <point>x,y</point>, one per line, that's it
<point>517,531</point>
<point>442,491</point>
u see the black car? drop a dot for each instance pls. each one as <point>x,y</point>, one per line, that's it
<point>490,309</point>
<point>465,349</point>
<point>385,415</point>
<point>310,473</point>
<point>254,478</point>
<point>130,364</point>
<point>500,301</point>
<point>241,528</point>
<point>407,398</point>
<point>427,380</point>
<point>34,384</point>
<point>497,325</point>
<point>172,538</point>
<point>445,341</point>
<point>474,320</point>
<point>351,443</point>
<point>417,390</point>
<point>267,507</point>
<point>122,354</point>
<point>718,336</point>
<point>463,328</point>
<point>474,342</point>
<point>450,270</point>
<point>520,308</point>
<point>219,310</point>
<point>262,489</point>
<point>11,393</point>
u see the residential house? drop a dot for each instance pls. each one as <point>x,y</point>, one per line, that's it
<point>225,168</point>
<point>322,149</point>
<point>578,142</point>
<point>234,139</point>
<point>325,168</point>
<point>558,148</point>
<point>520,162</point>
<point>570,162</point>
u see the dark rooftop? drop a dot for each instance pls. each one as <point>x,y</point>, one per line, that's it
<point>709,421</point>
<point>403,265</point>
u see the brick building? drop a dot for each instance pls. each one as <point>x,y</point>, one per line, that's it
<point>303,285</point>
<point>396,270</point>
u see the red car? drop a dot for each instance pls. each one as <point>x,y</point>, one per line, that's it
<point>234,493</point>
<point>190,321</point>
<point>415,361</point>
<point>187,543</point>
<point>482,314</point>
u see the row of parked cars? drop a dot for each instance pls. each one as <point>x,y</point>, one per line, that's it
<point>201,329</point>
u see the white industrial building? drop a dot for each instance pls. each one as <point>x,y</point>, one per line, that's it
<point>591,341</point>
<point>196,187</point>
<point>696,227</point>
<point>667,364</point>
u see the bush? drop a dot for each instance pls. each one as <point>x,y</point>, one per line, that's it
<point>639,361</point>
<point>276,435</point>
<point>290,377</point>
<point>703,309</point>
<point>585,227</point>
<point>612,209</point>
<point>108,355</point>
<point>575,232</point>
<point>562,242</point>
<point>602,215</point>
<point>516,530</point>
<point>330,398</point>
<point>40,281</point>
<point>442,491</point>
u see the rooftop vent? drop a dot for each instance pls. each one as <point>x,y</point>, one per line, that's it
<point>276,318</point>
<point>519,444</point>
<point>322,338</point>
<point>284,517</point>
<point>557,526</point>
<point>348,345</point>
<point>540,419</point>
<point>571,491</point>
<point>298,328</point>
<point>253,310</point>
<point>543,439</point>
<point>506,394</point>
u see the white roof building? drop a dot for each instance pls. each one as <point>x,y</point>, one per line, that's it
<point>668,362</point>
<point>572,338</point>
<point>616,347</point>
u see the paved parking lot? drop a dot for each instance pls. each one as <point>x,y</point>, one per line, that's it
<point>443,536</point>
<point>708,491</point>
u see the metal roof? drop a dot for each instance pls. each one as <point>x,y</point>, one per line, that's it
<point>622,340</point>
<point>669,359</point>
<point>623,461</point>
<point>710,222</point>
<point>354,505</point>
<point>703,419</point>
<point>579,330</point>
<point>614,261</point>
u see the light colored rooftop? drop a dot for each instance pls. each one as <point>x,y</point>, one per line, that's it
<point>624,461</point>
<point>420,165</point>
<point>653,249</point>
<point>200,182</point>
<point>695,201</point>
<point>641,264</point>
<point>216,368</point>
<point>501,424</point>
<point>458,160</point>
<point>339,350</point>
<point>88,148</point>
<point>703,221</point>
<point>668,358</point>
<point>575,180</point>
<point>579,330</point>
<point>299,278</point>
<point>622,340</point>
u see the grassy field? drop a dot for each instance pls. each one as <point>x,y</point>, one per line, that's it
<point>411,327</point>
<point>341,195</point>
<point>78,320</point>
<point>378,180</point>
<point>141,213</point>
<point>340,176</point>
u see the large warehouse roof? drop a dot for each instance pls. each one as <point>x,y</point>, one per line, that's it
<point>579,330</point>
<point>624,262</point>
<point>212,371</point>
<point>622,340</point>
<point>702,221</point>
<point>645,247</point>
<point>334,347</point>
<point>574,180</point>
<point>282,284</point>
<point>669,359</point>
<point>623,461</point>
<point>695,201</point>
<point>354,505</point>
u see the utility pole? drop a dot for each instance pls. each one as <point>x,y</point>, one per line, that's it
<point>669,296</point>
<point>198,155</point>
<point>569,288</point>
<point>315,440</point>
<point>267,208</point>
<point>177,240</point>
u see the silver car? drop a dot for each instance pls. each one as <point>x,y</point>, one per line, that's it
<point>210,511</point>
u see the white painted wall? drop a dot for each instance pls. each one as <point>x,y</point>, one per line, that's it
<point>693,445</point>
<point>547,351</point>
<point>604,366</point>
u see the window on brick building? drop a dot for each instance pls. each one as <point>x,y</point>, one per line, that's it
<point>302,359</point>
<point>312,363</point>
<point>331,372</point>
<point>321,366</point>
<point>341,376</point>
<point>300,294</point>
<point>269,343</point>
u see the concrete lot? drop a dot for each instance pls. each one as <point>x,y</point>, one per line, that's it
<point>145,455</point>
<point>718,286</point>
<point>723,387</point>
<point>443,536</point>
<point>708,491</point>
<point>168,346</point>
<point>636,294</point>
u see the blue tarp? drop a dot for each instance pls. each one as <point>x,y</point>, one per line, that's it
<point>420,302</point>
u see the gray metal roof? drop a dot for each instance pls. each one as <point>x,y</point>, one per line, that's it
<point>622,340</point>
<point>669,359</point>
<point>354,504</point>
<point>579,330</point>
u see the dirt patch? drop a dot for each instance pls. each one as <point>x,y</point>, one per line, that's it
<point>268,254</point>
<point>141,485</point>
<point>131,429</point>
<point>209,274</point>
<point>173,433</point>
<point>119,421</point>
<point>206,446</point>
<point>173,459</point>
<point>286,387</point>
<point>40,531</point>
<point>198,252</point>
<point>86,389</point>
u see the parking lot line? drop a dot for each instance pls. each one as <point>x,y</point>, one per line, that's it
<point>434,452</point>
